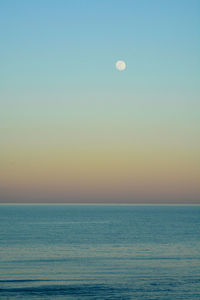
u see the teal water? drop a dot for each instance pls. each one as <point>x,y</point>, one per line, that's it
<point>99,252</point>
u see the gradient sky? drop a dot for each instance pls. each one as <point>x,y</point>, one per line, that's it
<point>73,128</point>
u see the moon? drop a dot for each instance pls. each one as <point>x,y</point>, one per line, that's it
<point>120,65</point>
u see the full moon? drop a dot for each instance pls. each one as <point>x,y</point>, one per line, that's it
<point>120,65</point>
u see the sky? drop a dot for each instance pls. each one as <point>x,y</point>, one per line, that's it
<point>73,128</point>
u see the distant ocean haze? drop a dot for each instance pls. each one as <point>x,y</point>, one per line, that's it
<point>100,172</point>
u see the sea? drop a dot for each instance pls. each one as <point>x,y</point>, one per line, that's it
<point>100,252</point>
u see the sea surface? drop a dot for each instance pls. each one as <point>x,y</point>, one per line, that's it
<point>99,252</point>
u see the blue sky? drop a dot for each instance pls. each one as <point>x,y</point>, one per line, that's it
<point>58,76</point>
<point>79,41</point>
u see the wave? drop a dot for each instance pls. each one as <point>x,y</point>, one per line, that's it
<point>103,258</point>
<point>64,290</point>
<point>139,289</point>
<point>27,280</point>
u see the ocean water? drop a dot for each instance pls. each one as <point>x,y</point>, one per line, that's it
<point>99,252</point>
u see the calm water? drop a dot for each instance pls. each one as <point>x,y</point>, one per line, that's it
<point>99,252</point>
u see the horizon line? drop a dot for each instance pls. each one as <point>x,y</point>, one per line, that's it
<point>102,204</point>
